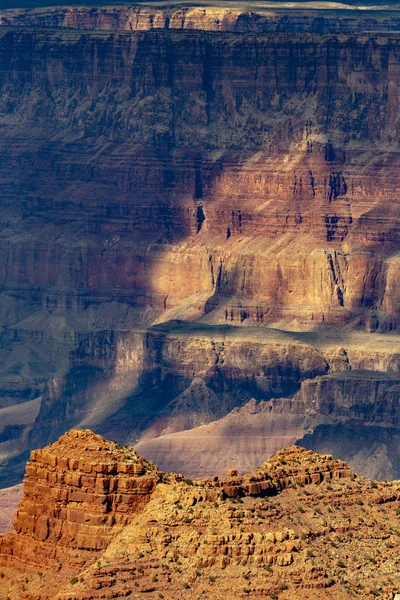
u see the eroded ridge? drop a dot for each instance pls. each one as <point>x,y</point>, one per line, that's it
<point>78,493</point>
<point>114,526</point>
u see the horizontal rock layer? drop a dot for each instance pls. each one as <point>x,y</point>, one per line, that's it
<point>78,493</point>
<point>204,187</point>
<point>182,165</point>
<point>210,18</point>
<point>259,534</point>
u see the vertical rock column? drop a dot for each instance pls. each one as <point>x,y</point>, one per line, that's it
<point>78,493</point>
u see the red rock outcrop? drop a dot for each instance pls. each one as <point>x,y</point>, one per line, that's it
<point>78,494</point>
<point>301,524</point>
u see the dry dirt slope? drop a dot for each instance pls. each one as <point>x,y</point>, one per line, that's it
<point>9,498</point>
<point>111,525</point>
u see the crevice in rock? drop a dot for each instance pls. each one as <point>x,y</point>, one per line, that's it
<point>200,218</point>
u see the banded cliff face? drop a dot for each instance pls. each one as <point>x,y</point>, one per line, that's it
<point>267,18</point>
<point>129,186</point>
<point>78,494</point>
<point>218,169</point>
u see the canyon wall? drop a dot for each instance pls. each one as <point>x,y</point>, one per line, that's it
<point>125,181</point>
<point>263,19</point>
<point>174,178</point>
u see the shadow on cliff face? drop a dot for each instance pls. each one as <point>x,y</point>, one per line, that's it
<point>171,105</point>
<point>186,374</point>
<point>372,451</point>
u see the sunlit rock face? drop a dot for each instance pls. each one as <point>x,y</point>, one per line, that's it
<point>177,185</point>
<point>269,187</point>
<point>97,521</point>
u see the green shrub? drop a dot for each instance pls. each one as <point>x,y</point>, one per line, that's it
<point>283,586</point>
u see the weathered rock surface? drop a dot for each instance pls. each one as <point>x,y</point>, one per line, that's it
<point>219,169</point>
<point>78,493</point>
<point>320,189</point>
<point>255,19</point>
<point>300,525</point>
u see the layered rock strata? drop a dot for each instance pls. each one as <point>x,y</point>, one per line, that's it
<point>78,493</point>
<point>256,19</point>
<point>300,525</point>
<point>285,212</point>
<point>353,412</point>
<point>200,373</point>
<point>230,169</point>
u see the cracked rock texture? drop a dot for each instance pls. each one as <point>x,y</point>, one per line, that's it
<point>98,521</point>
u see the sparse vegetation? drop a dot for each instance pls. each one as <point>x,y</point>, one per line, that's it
<point>283,586</point>
<point>312,545</point>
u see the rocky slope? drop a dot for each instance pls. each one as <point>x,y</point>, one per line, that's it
<point>326,413</point>
<point>113,526</point>
<point>199,207</point>
<point>198,374</point>
<point>9,498</point>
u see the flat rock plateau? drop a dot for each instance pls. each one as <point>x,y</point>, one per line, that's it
<point>200,233</point>
<point>98,521</point>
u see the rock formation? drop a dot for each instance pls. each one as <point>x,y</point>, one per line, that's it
<point>78,493</point>
<point>193,193</point>
<point>111,525</point>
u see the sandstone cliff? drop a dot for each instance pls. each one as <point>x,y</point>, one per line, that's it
<point>78,493</point>
<point>112,526</point>
<point>256,18</point>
